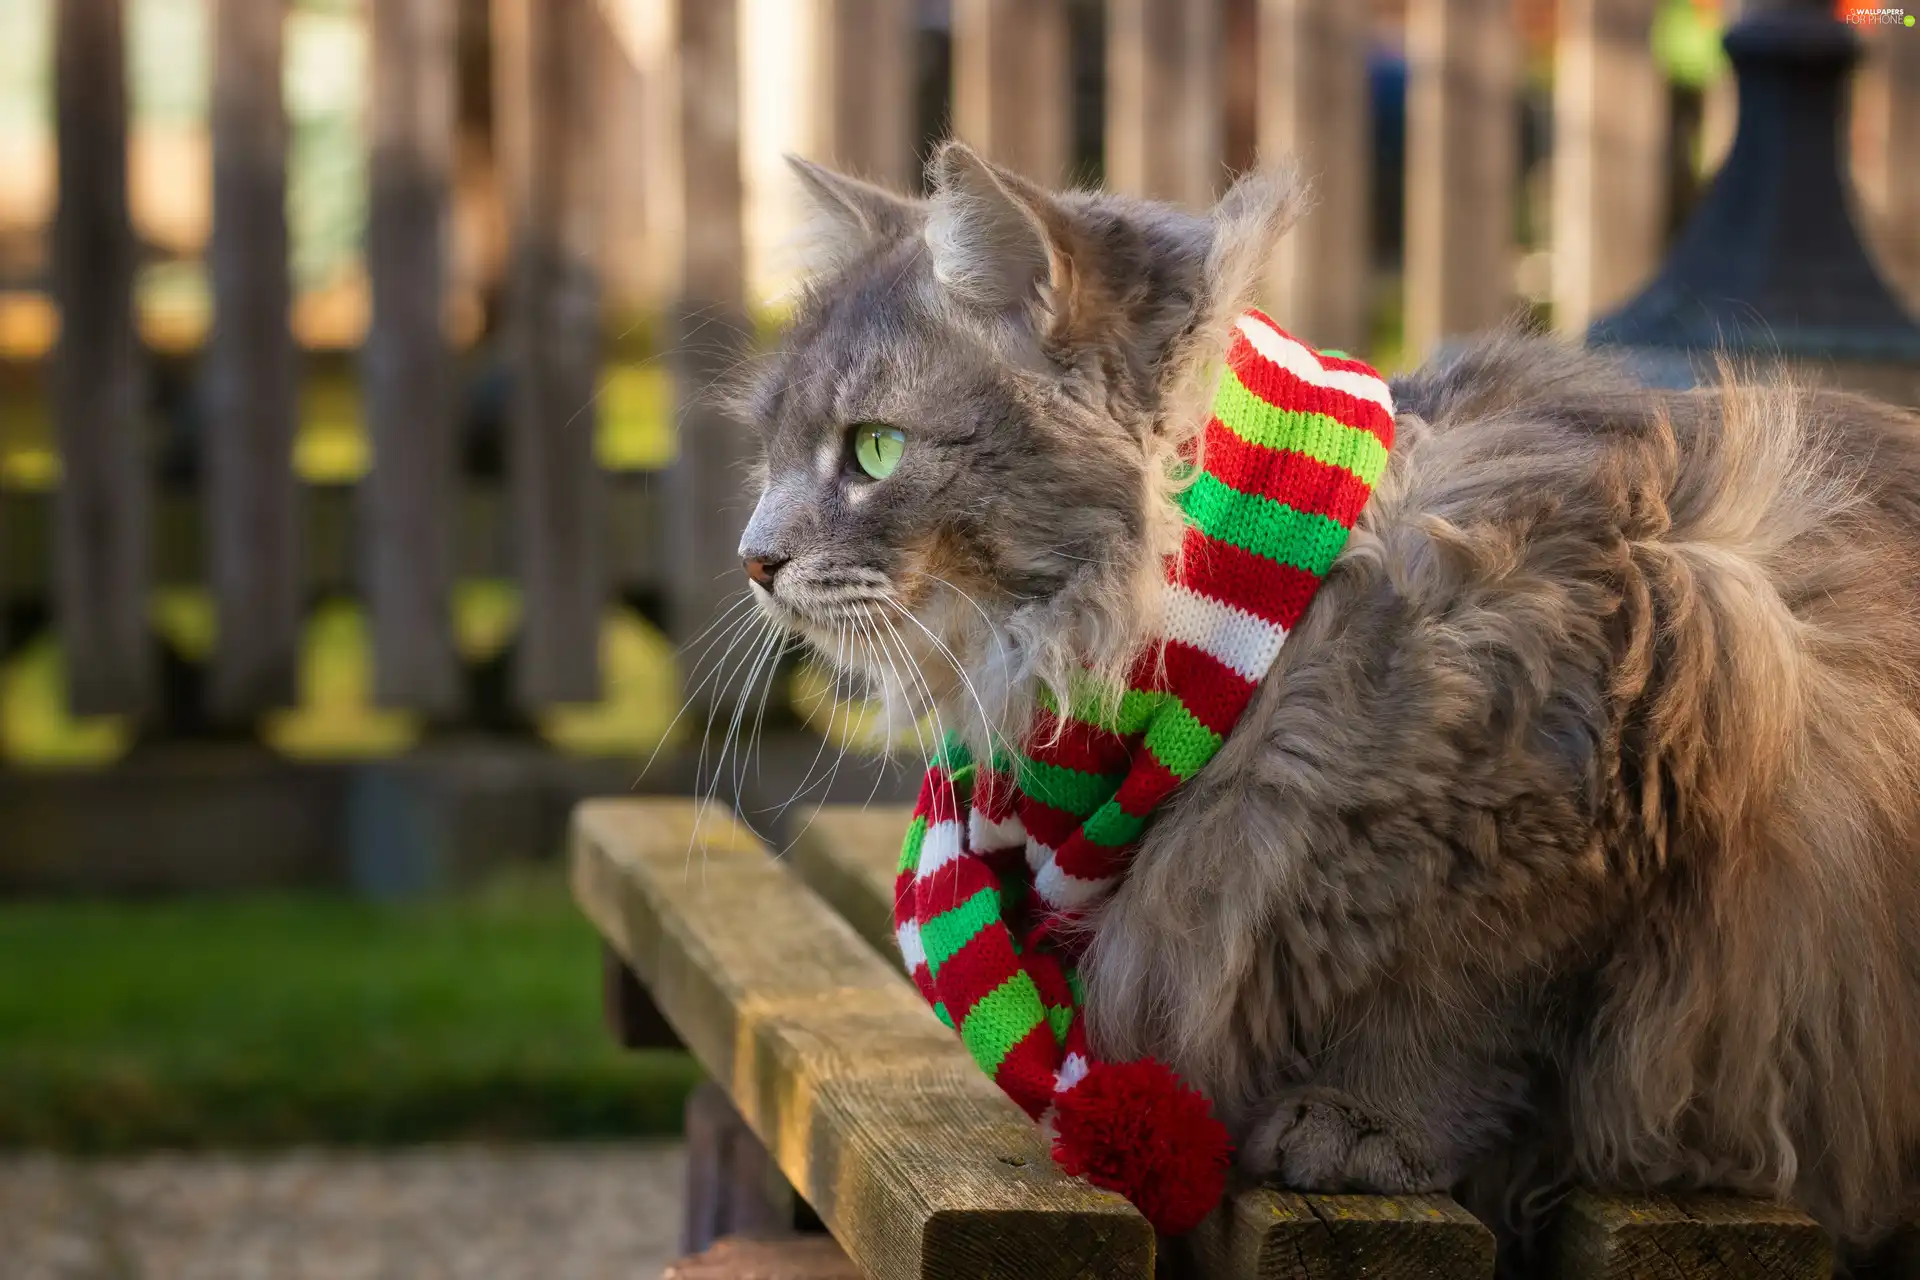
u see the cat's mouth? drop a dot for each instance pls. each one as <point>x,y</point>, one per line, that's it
<point>891,640</point>
<point>852,631</point>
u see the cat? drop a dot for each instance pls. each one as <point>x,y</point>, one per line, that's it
<point>1575,833</point>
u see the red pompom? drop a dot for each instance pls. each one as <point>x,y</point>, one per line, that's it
<point>1138,1129</point>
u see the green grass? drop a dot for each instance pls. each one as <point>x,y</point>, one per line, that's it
<point>271,1020</point>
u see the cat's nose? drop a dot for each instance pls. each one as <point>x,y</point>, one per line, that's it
<point>762,568</point>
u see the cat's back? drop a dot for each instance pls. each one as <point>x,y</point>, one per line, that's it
<point>1558,437</point>
<point>1725,580</point>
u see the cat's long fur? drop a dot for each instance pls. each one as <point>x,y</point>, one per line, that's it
<point>1575,832</point>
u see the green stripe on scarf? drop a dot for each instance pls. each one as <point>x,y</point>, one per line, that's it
<point>1003,1018</point>
<point>949,931</point>
<point>1252,522</point>
<point>1181,742</point>
<point>1320,437</point>
<point>1094,706</point>
<point>1070,789</point>
<point>1112,825</point>
<point>910,848</point>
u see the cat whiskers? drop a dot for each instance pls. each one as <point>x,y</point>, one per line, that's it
<point>719,677</point>
<point>959,669</point>
<point>835,673</point>
<point>907,691</point>
<point>933,704</point>
<point>769,648</point>
<point>732,617</point>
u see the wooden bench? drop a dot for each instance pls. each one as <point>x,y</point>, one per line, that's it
<point>781,977</point>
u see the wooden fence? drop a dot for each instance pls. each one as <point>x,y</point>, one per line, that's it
<point>1171,116</point>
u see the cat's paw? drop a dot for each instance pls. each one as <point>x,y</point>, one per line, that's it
<point>1318,1139</point>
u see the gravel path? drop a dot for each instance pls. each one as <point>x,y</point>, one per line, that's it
<point>438,1213</point>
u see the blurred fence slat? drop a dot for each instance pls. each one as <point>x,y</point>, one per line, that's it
<point>1240,82</point>
<point>1012,92</point>
<point>1313,106</point>
<point>1165,100</point>
<point>251,370</point>
<point>706,497</point>
<point>546,92</point>
<point>1462,167</point>
<point>104,502</point>
<point>408,494</point>
<point>864,84</point>
<point>1610,155</point>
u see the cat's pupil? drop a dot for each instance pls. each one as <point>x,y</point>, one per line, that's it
<point>877,448</point>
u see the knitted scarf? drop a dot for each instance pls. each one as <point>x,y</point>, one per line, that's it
<point>1003,855</point>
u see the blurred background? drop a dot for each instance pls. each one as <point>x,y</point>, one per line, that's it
<point>363,502</point>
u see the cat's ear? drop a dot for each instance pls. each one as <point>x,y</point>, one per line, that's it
<point>850,217</point>
<point>1248,224</point>
<point>998,241</point>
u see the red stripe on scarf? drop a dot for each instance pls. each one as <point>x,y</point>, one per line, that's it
<point>902,898</point>
<point>923,979</point>
<point>950,886</point>
<point>1214,692</point>
<point>1310,484</point>
<point>1278,386</point>
<point>1275,592</point>
<point>994,794</point>
<point>1027,1072</point>
<point>937,800</point>
<point>1148,784</point>
<point>1075,744</point>
<point>1085,860</point>
<point>1048,825</point>
<point>976,971</point>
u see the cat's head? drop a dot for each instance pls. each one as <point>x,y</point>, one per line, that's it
<point>969,431</point>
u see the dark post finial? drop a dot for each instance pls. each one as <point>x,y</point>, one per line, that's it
<point>1772,262</point>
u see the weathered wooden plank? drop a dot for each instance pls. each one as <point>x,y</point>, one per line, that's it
<point>409,388</point>
<point>252,367</point>
<point>1609,158</point>
<point>1463,160</point>
<point>1012,94</point>
<point>706,500</point>
<point>547,99</point>
<point>630,1013</point>
<point>914,1160</point>
<point>1693,1237</point>
<point>799,1258</point>
<point>1314,106</point>
<point>733,1186</point>
<point>1278,1235</point>
<point>1165,104</point>
<point>104,500</point>
<point>864,76</point>
<point>847,854</point>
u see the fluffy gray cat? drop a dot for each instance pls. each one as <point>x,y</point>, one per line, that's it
<point>1575,834</point>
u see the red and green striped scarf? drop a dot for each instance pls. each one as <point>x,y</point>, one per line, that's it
<point>1002,854</point>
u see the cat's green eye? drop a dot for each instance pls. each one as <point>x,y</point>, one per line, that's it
<point>877,448</point>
